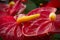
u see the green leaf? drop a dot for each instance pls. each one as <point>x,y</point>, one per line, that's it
<point>30,6</point>
<point>0,38</point>
<point>57,36</point>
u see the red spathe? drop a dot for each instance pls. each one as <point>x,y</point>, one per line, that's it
<point>54,3</point>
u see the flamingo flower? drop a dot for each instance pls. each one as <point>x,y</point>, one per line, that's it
<point>12,8</point>
<point>18,7</point>
<point>38,22</point>
<point>6,16</point>
<point>44,24</point>
<point>11,28</point>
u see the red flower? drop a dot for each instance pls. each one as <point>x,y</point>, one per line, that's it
<point>46,23</point>
<point>41,22</point>
<point>10,29</point>
<point>17,8</point>
<point>12,8</point>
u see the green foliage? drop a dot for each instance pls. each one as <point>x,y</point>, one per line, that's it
<point>30,6</point>
<point>57,36</point>
<point>0,38</point>
<point>39,1</point>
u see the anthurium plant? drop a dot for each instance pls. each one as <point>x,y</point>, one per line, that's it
<point>39,24</point>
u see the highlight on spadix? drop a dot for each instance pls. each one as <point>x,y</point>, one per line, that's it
<point>52,16</point>
<point>12,3</point>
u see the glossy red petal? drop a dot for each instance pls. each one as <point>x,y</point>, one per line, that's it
<point>15,0</point>
<point>18,7</point>
<point>37,27</point>
<point>54,3</point>
<point>44,11</point>
<point>2,13</point>
<point>3,8</point>
<point>21,1</point>
<point>40,26</point>
<point>9,29</point>
<point>57,24</point>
